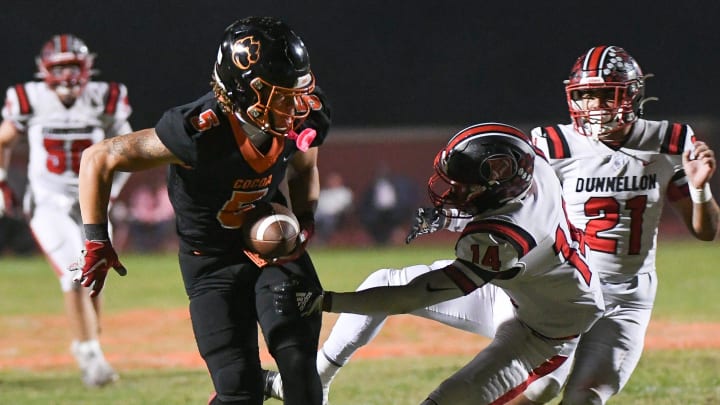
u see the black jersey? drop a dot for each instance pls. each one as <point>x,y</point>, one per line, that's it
<point>223,173</point>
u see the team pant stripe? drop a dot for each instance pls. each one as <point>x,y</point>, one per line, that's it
<point>542,370</point>
<point>557,147</point>
<point>520,239</point>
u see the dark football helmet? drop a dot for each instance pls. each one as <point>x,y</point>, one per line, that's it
<point>482,167</point>
<point>65,63</point>
<point>262,74</point>
<point>612,74</point>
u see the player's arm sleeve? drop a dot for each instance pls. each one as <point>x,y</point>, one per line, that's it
<point>483,257</point>
<point>678,139</point>
<point>424,290</point>
<point>177,135</point>
<point>117,107</point>
<point>17,108</point>
<point>457,221</point>
<point>539,139</point>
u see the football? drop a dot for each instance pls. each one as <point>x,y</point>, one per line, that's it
<point>270,230</point>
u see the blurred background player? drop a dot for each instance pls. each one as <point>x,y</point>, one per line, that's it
<point>60,117</point>
<point>335,205</point>
<point>264,118</point>
<point>617,170</point>
<point>490,172</point>
<point>386,204</point>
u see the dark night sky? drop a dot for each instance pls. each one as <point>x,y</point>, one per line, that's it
<point>398,63</point>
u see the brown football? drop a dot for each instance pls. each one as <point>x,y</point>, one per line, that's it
<point>270,230</point>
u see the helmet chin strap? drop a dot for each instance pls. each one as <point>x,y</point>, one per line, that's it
<point>256,135</point>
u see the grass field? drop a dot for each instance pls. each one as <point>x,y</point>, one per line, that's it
<point>688,284</point>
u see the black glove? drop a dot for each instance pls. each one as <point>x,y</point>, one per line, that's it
<point>426,220</point>
<point>291,297</point>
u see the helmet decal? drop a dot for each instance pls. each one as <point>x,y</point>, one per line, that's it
<point>245,52</point>
<point>498,168</point>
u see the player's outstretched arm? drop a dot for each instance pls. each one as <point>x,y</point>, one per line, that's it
<point>425,290</point>
<point>702,214</point>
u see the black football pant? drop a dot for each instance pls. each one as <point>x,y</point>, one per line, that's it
<point>229,296</point>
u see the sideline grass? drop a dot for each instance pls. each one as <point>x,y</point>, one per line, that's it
<point>688,283</point>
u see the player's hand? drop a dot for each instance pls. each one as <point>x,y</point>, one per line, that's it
<point>699,164</point>
<point>96,260</point>
<point>426,220</point>
<point>291,297</point>
<point>8,200</point>
<point>307,231</point>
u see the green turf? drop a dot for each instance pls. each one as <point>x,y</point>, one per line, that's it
<point>688,286</point>
<point>663,378</point>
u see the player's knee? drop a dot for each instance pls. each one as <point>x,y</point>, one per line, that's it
<point>237,383</point>
<point>296,360</point>
<point>543,390</point>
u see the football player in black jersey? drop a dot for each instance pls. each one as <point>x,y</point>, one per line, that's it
<point>226,151</point>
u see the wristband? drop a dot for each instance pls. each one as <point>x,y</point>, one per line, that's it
<point>3,174</point>
<point>97,232</point>
<point>327,301</point>
<point>700,195</point>
<point>306,218</point>
<point>307,226</point>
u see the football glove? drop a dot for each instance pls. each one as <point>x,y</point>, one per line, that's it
<point>426,220</point>
<point>8,200</point>
<point>291,297</point>
<point>96,260</point>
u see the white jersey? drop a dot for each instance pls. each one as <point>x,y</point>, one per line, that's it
<point>527,249</point>
<point>616,196</point>
<point>57,135</point>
